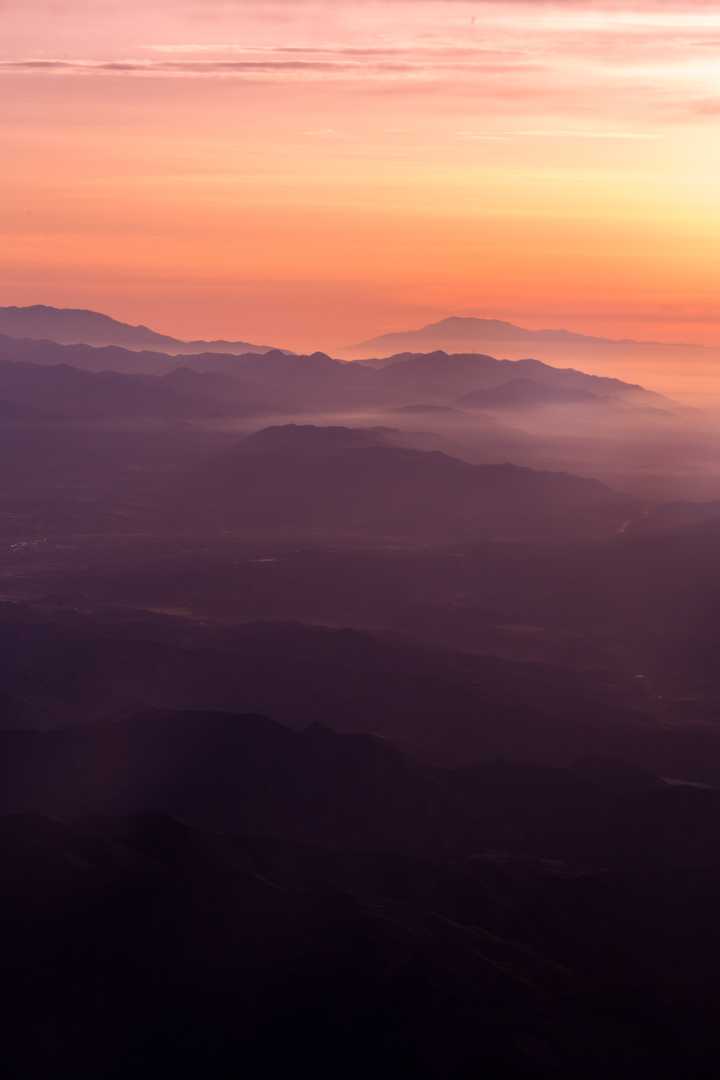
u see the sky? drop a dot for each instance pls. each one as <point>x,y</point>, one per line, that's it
<point>310,173</point>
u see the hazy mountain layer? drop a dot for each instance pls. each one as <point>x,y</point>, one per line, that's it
<point>284,382</point>
<point>457,329</point>
<point>71,326</point>
<point>678,369</point>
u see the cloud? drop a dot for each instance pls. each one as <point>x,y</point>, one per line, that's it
<point>634,63</point>
<point>189,67</point>
<point>588,133</point>
<point>558,133</point>
<point>289,61</point>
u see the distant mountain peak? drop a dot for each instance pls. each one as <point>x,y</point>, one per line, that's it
<point>464,332</point>
<point>80,326</point>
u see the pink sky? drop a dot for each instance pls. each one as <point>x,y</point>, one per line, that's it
<point>312,173</point>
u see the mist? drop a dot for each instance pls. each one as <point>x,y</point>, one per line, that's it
<point>359,533</point>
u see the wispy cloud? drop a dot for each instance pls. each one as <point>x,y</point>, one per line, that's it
<point>559,133</point>
<point>289,61</point>
<point>189,67</point>
<point>588,133</point>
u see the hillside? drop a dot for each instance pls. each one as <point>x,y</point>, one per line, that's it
<point>290,383</point>
<point>327,481</point>
<point>71,326</point>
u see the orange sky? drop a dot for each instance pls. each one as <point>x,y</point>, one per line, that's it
<point>312,173</point>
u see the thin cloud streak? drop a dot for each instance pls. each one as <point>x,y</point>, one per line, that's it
<point>559,134</point>
<point>322,67</point>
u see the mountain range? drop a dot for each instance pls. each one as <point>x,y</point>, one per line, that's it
<point>680,368</point>
<point>442,706</point>
<point>352,717</point>
<point>683,369</point>
<point>459,333</point>
<point>215,894</point>
<point>276,381</point>
<point>71,326</point>
<point>330,481</point>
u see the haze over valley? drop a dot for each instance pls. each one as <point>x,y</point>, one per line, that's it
<point>359,532</point>
<point>447,593</point>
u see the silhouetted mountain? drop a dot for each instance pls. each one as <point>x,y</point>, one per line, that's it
<point>211,945</point>
<point>509,919</point>
<point>240,772</point>
<point>260,383</point>
<point>146,945</point>
<point>352,792</point>
<point>108,358</point>
<point>347,792</point>
<point>282,382</point>
<point>459,330</point>
<point>448,377</point>
<point>70,326</point>
<point>643,605</point>
<point>59,392</point>
<point>442,706</point>
<point>114,447</point>
<point>113,358</point>
<point>329,481</point>
<point>672,368</point>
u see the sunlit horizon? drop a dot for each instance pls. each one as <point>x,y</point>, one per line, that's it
<point>314,174</point>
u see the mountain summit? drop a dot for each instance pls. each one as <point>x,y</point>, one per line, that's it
<point>459,331</point>
<point>642,361</point>
<point>71,326</point>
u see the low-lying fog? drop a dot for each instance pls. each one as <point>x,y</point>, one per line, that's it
<point>671,453</point>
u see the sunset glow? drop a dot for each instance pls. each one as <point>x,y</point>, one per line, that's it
<point>310,174</point>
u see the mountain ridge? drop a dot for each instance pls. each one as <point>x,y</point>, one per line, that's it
<point>82,326</point>
<point>297,480</point>
<point>458,326</point>
<point>293,382</point>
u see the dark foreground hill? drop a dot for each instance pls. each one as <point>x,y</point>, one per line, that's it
<point>352,791</point>
<point>143,947</point>
<point>321,898</point>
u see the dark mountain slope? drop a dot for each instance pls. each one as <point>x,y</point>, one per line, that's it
<point>234,385</point>
<point>232,772</point>
<point>120,453</point>
<point>290,383</point>
<point>307,480</point>
<point>60,392</point>
<point>441,706</point>
<point>354,792</point>
<point>449,376</point>
<point>143,945</point>
<point>545,909</point>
